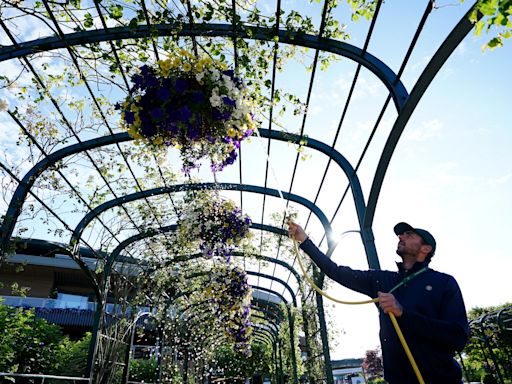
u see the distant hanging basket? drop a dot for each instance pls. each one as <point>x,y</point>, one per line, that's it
<point>194,104</point>
<point>228,290</point>
<point>216,225</point>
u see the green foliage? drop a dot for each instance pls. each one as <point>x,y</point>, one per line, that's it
<point>72,356</point>
<point>284,337</point>
<point>377,381</point>
<point>27,344</point>
<point>234,364</point>
<point>143,370</point>
<point>315,368</point>
<point>497,15</point>
<point>484,326</point>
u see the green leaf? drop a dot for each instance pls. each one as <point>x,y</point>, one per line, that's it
<point>88,23</point>
<point>487,9</point>
<point>479,27</point>
<point>496,42</point>
<point>116,11</point>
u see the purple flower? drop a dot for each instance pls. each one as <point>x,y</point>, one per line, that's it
<point>145,70</point>
<point>148,129</point>
<point>184,113</point>
<point>152,81</point>
<point>129,117</point>
<point>220,115</point>
<point>228,101</point>
<point>229,72</point>
<point>180,114</point>
<point>181,85</point>
<point>170,127</point>
<point>163,93</point>
<point>192,132</point>
<point>138,81</point>
<point>156,113</point>
<point>197,97</point>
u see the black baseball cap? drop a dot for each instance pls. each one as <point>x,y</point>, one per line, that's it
<point>424,234</point>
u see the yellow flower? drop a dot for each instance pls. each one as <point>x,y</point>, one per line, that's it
<point>176,62</point>
<point>223,66</point>
<point>206,61</point>
<point>164,64</point>
<point>187,67</point>
<point>231,132</point>
<point>133,133</point>
<point>199,67</point>
<point>184,53</point>
<point>158,141</point>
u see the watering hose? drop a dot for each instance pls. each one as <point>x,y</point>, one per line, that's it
<point>391,315</point>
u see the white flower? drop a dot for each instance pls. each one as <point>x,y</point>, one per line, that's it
<point>215,100</point>
<point>4,105</point>
<point>199,77</point>
<point>215,74</point>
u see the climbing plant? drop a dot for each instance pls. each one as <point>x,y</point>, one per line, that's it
<point>497,15</point>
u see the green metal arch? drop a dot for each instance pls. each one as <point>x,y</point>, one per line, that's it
<point>191,187</point>
<point>370,62</point>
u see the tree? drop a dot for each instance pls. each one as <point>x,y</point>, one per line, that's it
<point>28,344</point>
<point>490,345</point>
<point>372,364</point>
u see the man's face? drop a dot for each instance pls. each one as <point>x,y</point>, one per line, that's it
<point>409,243</point>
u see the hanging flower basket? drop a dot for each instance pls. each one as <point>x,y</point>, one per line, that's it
<point>217,226</point>
<point>194,104</point>
<point>229,292</point>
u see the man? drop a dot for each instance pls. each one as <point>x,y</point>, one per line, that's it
<point>427,304</point>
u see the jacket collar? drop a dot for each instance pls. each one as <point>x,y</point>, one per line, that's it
<point>415,268</point>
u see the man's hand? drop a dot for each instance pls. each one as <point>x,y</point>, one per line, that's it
<point>296,232</point>
<point>388,303</point>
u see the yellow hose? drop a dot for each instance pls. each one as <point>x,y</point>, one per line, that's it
<point>391,315</point>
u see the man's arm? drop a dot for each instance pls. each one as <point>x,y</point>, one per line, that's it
<point>360,281</point>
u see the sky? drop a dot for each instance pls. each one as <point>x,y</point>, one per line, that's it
<point>451,172</point>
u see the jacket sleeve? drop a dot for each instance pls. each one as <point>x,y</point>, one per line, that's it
<point>450,330</point>
<point>359,281</point>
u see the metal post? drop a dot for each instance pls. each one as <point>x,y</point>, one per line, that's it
<point>323,330</point>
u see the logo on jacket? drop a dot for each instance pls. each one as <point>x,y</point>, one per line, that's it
<point>428,287</point>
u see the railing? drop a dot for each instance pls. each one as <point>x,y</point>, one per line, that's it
<point>36,302</point>
<point>44,377</point>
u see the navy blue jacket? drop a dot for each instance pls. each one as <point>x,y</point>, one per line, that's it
<point>434,320</point>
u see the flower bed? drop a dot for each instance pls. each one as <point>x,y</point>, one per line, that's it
<point>194,104</point>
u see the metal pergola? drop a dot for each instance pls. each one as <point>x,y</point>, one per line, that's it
<point>95,50</point>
